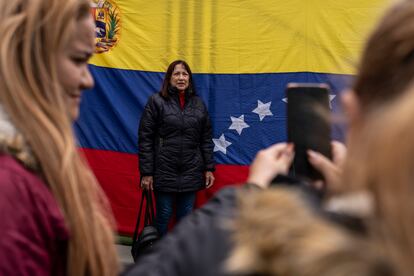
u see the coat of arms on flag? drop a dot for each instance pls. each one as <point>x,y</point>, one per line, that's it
<point>107,21</point>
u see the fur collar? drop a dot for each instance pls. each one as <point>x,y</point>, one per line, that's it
<point>358,204</point>
<point>13,143</point>
<point>7,129</point>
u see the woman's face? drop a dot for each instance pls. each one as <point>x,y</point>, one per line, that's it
<point>73,68</point>
<point>180,77</point>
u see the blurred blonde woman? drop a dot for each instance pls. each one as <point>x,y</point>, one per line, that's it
<point>275,238</point>
<point>382,165</point>
<point>385,72</point>
<point>54,218</point>
<point>277,234</point>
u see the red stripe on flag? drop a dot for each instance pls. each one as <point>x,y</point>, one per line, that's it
<point>118,175</point>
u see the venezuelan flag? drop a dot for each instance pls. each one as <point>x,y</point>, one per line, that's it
<point>242,53</point>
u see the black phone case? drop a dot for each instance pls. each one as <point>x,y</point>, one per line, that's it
<point>309,126</point>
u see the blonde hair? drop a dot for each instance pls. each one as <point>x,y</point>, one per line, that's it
<point>277,233</point>
<point>381,158</point>
<point>382,163</point>
<point>387,64</point>
<point>34,32</point>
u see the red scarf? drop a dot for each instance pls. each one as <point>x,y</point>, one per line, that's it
<point>182,100</point>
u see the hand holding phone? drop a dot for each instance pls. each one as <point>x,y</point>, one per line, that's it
<point>309,125</point>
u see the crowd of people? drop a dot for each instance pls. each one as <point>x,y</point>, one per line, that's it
<point>55,219</point>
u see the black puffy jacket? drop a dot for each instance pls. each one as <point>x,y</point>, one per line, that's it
<point>175,146</point>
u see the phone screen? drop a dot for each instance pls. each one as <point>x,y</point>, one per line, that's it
<point>308,125</point>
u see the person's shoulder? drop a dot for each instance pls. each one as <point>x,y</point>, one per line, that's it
<point>222,203</point>
<point>21,188</point>
<point>157,97</point>
<point>196,97</point>
<point>14,176</point>
<point>24,194</point>
<point>198,101</point>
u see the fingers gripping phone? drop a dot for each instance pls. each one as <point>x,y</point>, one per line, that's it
<point>308,125</point>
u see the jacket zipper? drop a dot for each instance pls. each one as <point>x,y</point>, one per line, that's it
<point>181,144</point>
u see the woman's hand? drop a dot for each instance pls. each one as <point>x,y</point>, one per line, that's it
<point>147,182</point>
<point>270,162</point>
<point>209,179</point>
<point>331,170</point>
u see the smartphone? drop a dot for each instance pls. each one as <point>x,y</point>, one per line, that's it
<point>308,125</point>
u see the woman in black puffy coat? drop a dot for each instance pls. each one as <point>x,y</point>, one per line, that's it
<point>175,145</point>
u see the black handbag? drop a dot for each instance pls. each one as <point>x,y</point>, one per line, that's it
<point>144,241</point>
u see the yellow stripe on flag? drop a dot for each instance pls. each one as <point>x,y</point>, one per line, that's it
<point>242,36</point>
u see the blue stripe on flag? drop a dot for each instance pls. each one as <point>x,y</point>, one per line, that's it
<point>110,112</point>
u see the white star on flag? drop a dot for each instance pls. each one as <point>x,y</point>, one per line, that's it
<point>238,124</point>
<point>263,109</point>
<point>331,97</point>
<point>221,144</point>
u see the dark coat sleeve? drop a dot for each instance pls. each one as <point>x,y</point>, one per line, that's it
<point>207,145</point>
<point>146,137</point>
<point>199,245</point>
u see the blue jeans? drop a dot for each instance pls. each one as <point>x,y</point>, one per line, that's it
<point>165,206</point>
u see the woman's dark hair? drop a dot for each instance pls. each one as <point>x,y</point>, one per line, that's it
<point>166,82</point>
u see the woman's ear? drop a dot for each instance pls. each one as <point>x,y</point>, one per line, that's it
<point>351,106</point>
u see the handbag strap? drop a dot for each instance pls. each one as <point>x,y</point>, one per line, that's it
<point>134,237</point>
<point>149,209</point>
